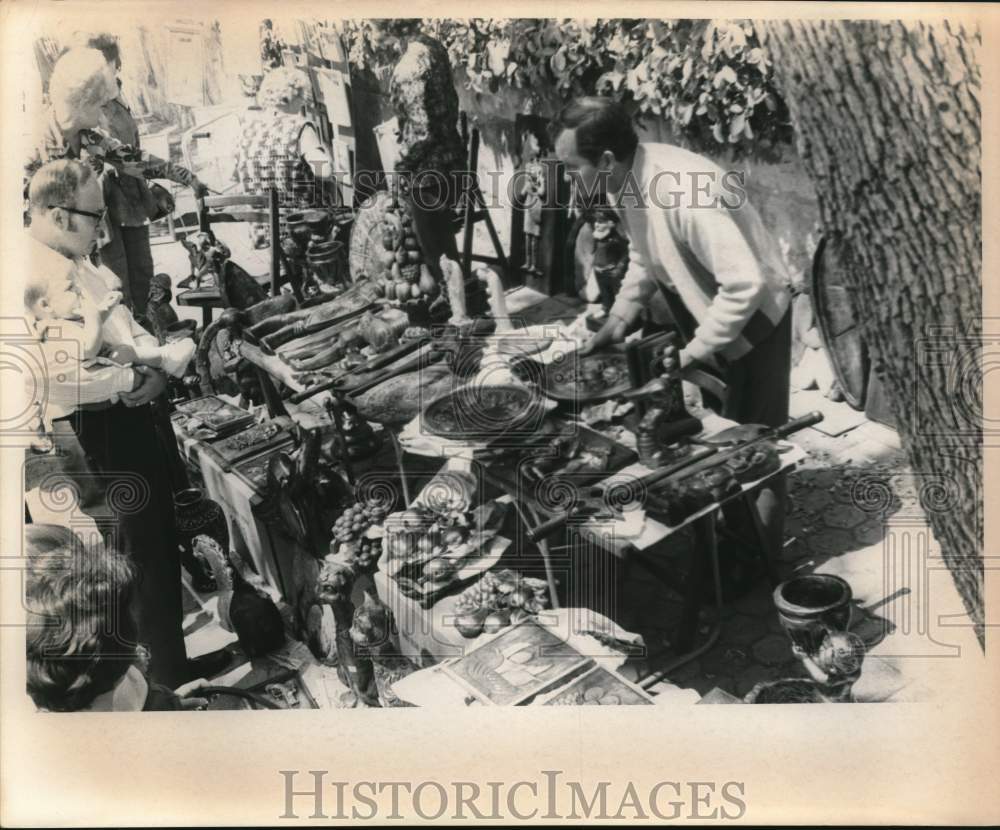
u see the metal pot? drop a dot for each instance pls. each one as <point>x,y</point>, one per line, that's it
<point>809,606</point>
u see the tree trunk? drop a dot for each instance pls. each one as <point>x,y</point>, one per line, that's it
<point>888,122</point>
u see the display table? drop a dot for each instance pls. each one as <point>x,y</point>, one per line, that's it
<point>430,635</point>
<point>249,535</point>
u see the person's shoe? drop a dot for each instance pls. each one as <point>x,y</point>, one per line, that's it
<point>208,665</point>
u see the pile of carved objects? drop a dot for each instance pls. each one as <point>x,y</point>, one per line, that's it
<point>406,278</point>
<point>679,498</point>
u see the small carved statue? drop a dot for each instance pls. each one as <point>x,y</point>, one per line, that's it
<point>159,312</point>
<point>354,665</point>
<point>610,256</point>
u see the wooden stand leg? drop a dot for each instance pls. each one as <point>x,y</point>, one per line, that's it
<point>275,406</point>
<point>706,547</point>
<point>532,520</point>
<point>763,542</point>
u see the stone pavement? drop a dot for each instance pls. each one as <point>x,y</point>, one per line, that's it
<point>855,512</point>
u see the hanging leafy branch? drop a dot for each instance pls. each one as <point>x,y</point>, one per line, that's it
<point>709,80</point>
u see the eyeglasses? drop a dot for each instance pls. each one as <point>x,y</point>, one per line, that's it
<point>98,216</point>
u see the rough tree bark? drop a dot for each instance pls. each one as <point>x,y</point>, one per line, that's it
<point>888,122</point>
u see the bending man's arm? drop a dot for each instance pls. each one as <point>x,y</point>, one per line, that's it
<point>636,290</point>
<point>717,242</point>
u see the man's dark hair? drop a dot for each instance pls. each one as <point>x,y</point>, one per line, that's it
<point>600,124</point>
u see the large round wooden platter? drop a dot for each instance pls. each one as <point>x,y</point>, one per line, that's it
<point>366,238</point>
<point>838,325</point>
<point>587,378</point>
<point>479,412</point>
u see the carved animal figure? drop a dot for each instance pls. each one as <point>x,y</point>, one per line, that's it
<point>210,258</point>
<point>245,607</point>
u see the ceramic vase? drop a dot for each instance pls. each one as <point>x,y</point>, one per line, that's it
<point>809,606</point>
<point>196,514</point>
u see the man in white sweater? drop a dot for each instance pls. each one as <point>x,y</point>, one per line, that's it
<point>693,236</point>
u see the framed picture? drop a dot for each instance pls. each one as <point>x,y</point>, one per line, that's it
<point>253,441</point>
<point>215,414</point>
<point>599,687</point>
<point>512,667</point>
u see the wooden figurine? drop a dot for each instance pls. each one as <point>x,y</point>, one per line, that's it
<point>159,312</point>
<point>610,256</point>
<point>354,666</point>
<point>532,195</point>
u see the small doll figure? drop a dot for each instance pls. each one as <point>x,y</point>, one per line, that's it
<point>610,256</point>
<point>532,196</point>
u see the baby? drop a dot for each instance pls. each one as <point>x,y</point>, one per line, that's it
<point>72,329</point>
<point>56,304</point>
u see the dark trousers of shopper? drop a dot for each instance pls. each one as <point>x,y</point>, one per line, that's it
<point>123,448</point>
<point>130,256</point>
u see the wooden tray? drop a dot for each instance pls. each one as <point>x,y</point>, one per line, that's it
<point>560,378</point>
<point>509,469</point>
<point>481,413</point>
<point>599,687</point>
<point>216,415</point>
<point>475,565</point>
<point>253,471</point>
<point>253,441</point>
<point>517,664</point>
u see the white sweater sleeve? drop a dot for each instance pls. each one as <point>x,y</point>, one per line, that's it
<point>716,242</point>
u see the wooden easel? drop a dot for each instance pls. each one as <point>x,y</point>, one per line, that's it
<point>473,210</point>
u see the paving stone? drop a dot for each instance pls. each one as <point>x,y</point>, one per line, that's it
<point>724,659</point>
<point>794,551</point>
<point>843,516</point>
<point>843,490</point>
<point>742,629</point>
<point>815,502</point>
<point>821,478</point>
<point>757,603</point>
<point>794,526</point>
<point>831,542</point>
<point>870,533</point>
<point>774,624</point>
<point>773,650</point>
<point>683,675</point>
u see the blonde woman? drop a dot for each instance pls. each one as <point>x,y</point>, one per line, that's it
<point>281,148</point>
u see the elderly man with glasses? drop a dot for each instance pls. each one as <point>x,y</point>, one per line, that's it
<point>113,422</point>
